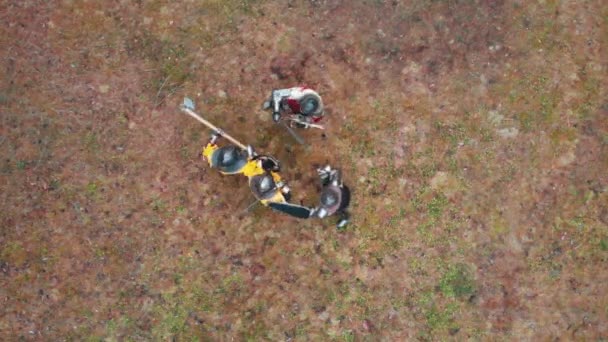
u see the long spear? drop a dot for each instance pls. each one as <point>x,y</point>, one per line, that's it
<point>188,108</point>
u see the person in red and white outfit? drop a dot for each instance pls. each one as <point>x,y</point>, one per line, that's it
<point>302,105</point>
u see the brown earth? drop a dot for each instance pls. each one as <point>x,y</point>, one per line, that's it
<point>473,133</point>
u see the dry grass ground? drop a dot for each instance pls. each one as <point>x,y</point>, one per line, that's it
<point>474,134</point>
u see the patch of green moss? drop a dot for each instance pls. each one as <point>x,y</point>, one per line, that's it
<point>457,282</point>
<point>13,252</point>
<point>604,245</point>
<point>348,336</point>
<point>441,318</point>
<point>436,206</point>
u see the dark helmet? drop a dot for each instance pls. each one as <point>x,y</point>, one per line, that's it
<point>269,163</point>
<point>229,159</point>
<point>263,186</point>
<point>311,105</point>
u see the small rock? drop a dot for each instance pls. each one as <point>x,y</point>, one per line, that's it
<point>324,316</point>
<point>132,125</point>
<point>392,313</point>
<point>495,47</point>
<point>603,216</point>
<point>506,133</point>
<point>407,129</point>
<point>440,179</point>
<point>566,159</point>
<point>264,116</point>
<point>412,68</point>
<point>514,243</point>
<point>494,117</point>
<point>368,325</point>
<point>400,151</point>
<point>104,88</point>
<point>222,94</point>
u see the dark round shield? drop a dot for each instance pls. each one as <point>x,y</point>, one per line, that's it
<point>262,186</point>
<point>310,105</point>
<point>229,159</point>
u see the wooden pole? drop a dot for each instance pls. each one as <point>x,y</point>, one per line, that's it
<point>213,127</point>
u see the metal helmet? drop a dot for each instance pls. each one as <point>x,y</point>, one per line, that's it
<point>331,199</point>
<point>263,186</point>
<point>228,159</point>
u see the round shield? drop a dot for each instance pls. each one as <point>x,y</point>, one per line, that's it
<point>331,198</point>
<point>310,104</point>
<point>262,186</point>
<point>229,159</point>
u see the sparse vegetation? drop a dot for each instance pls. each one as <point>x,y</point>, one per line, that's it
<point>457,282</point>
<point>473,135</point>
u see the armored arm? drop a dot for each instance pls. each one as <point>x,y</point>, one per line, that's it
<point>330,176</point>
<point>277,99</point>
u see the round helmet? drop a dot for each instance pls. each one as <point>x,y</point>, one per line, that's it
<point>310,104</point>
<point>262,186</point>
<point>331,198</point>
<point>229,159</point>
